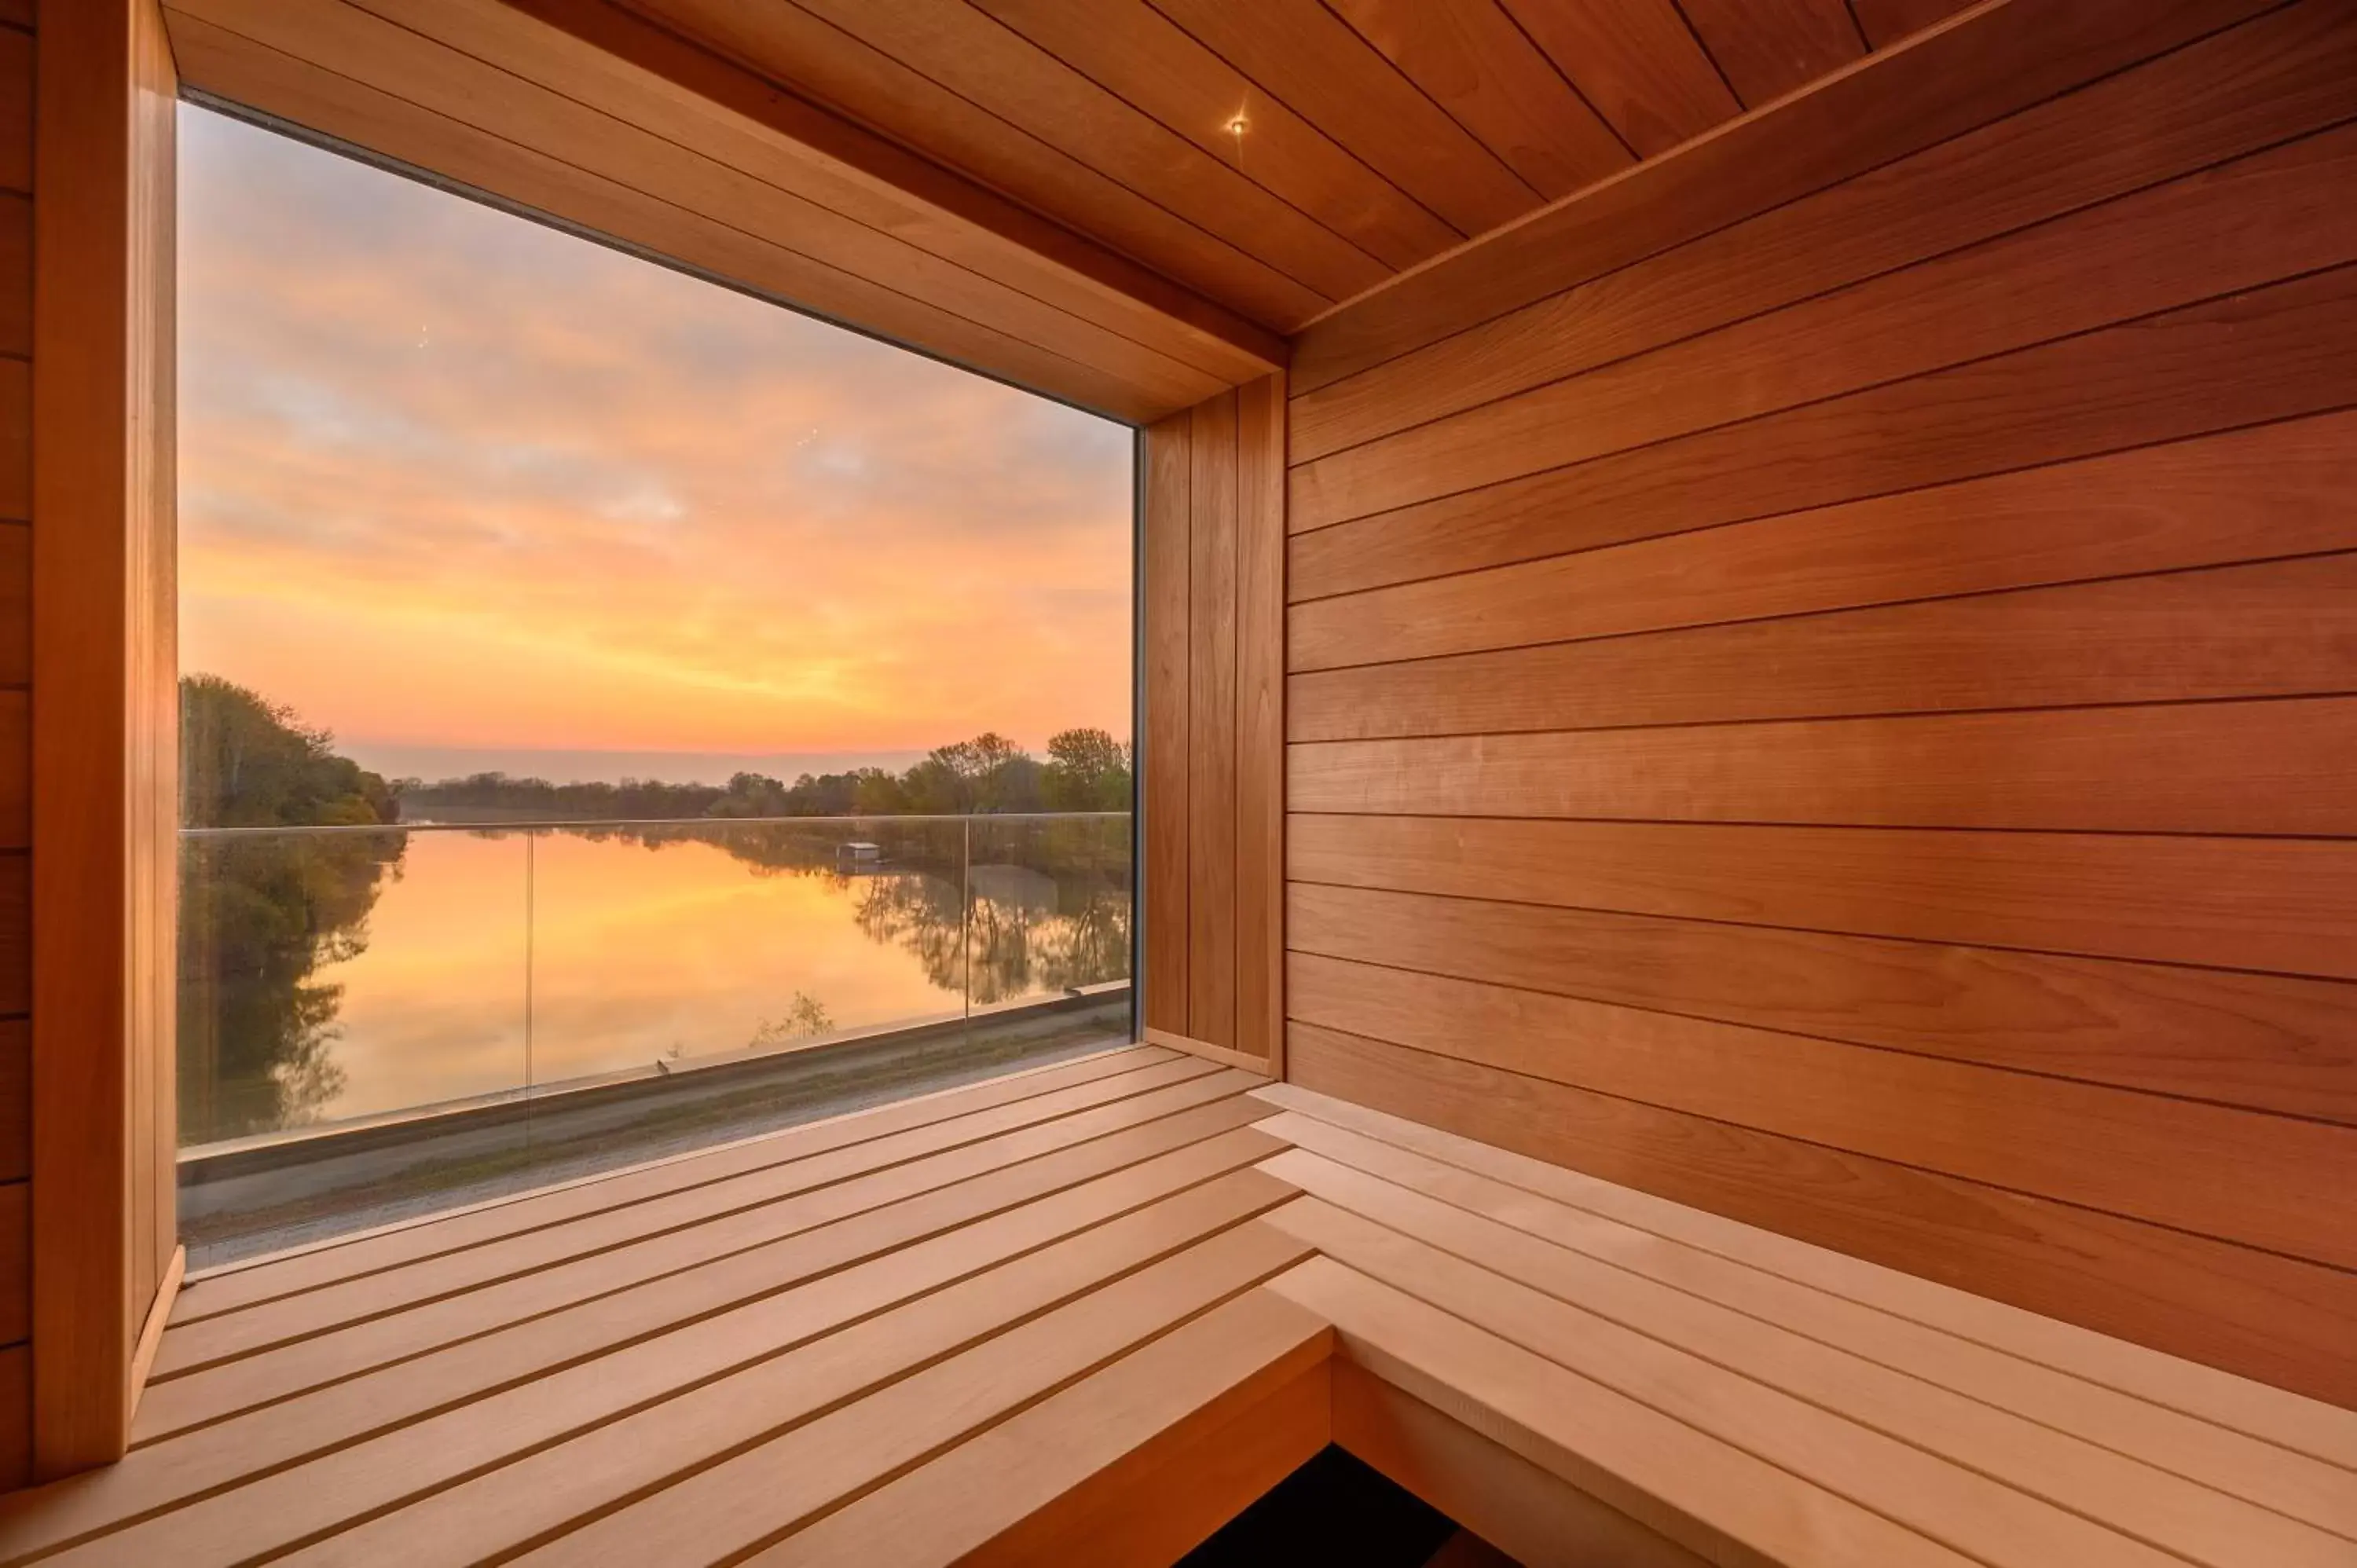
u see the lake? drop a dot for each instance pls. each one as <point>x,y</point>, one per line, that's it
<point>328,975</point>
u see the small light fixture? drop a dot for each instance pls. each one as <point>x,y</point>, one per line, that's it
<point>1238,124</point>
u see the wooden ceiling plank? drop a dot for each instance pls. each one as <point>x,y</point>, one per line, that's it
<point>971,54</point>
<point>798,50</point>
<point>2002,57</point>
<point>1137,53</point>
<point>1885,22</point>
<point>1471,59</point>
<point>1637,61</point>
<point>1301,53</point>
<point>224,62</point>
<point>1769,47</point>
<point>706,98</point>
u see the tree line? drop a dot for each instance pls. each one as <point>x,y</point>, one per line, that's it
<point>249,762</point>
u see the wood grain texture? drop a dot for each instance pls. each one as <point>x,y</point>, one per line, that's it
<point>2269,1042</point>
<point>1212,838</point>
<point>968,51</point>
<point>2276,907</point>
<point>1166,556</point>
<point>1541,1518</point>
<point>1135,1465</point>
<point>2266,630</point>
<point>104,718</point>
<point>2274,1319</point>
<point>1996,62</point>
<point>1712,1497</point>
<point>663,1376</point>
<point>2156,251</point>
<point>2141,1155</point>
<point>2274,354</point>
<point>1301,52</point>
<point>2207,503</point>
<point>15,605</point>
<point>2231,1408</point>
<point>1817,625</point>
<point>15,274</point>
<point>1146,60</point>
<point>1474,62</point>
<point>2273,768</point>
<point>791,46</point>
<point>2018,1492</point>
<point>16,1099</point>
<point>1637,61</point>
<point>2283,75</point>
<point>16,109</point>
<point>1416,1187</point>
<point>1767,49</point>
<point>1888,22</point>
<point>1260,691</point>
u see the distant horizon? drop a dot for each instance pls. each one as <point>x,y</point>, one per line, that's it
<point>589,765</point>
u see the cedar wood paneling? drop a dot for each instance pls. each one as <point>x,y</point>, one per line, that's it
<point>1214,562</point>
<point>17,64</point>
<point>103,788</point>
<point>1844,719</point>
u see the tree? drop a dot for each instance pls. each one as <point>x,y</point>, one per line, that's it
<point>246,762</point>
<point>260,915</point>
<point>1087,770</point>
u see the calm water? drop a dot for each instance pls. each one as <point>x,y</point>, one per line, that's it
<point>329,976</point>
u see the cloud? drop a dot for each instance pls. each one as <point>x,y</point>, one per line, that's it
<point>451,478</point>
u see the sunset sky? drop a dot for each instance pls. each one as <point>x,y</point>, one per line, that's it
<point>475,493</point>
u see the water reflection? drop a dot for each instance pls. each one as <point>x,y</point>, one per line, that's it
<point>332,975</point>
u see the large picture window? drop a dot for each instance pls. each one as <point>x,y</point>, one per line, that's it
<point>617,710</point>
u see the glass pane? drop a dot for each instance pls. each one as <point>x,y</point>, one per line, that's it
<point>349,981</point>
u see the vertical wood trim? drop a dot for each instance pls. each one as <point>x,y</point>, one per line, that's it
<point>1166,560</point>
<point>104,740</point>
<point>1260,721</point>
<point>1212,732</point>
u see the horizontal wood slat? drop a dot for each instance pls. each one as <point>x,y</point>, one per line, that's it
<point>1709,1496</point>
<point>2279,906</point>
<point>2273,490</point>
<point>2273,353</point>
<point>1135,1465</point>
<point>2285,74</point>
<point>2140,1156</point>
<point>2276,767</point>
<point>1505,1499</point>
<point>2019,1493</point>
<point>2125,258</point>
<point>2269,630</point>
<point>2262,1317</point>
<point>1421,1193</point>
<point>2269,1042</point>
<point>2277,1420</point>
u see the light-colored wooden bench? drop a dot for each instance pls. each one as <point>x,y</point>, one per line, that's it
<point>1086,1314</point>
<point>1752,1399</point>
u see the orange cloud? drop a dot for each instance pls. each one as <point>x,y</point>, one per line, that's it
<point>452,478</point>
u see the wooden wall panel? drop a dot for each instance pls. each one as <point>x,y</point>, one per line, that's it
<point>1211,726</point>
<point>1843,715</point>
<point>1214,742</point>
<point>104,733</point>
<point>1165,457</point>
<point>16,103</point>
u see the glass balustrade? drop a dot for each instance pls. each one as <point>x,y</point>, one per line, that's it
<point>382,1021</point>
